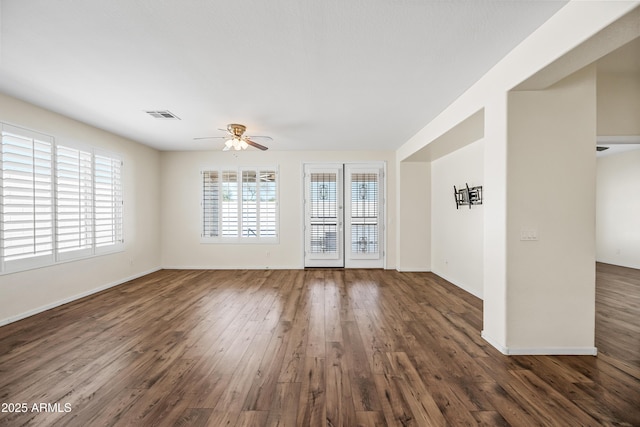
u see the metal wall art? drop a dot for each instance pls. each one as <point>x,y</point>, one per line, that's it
<point>468,196</point>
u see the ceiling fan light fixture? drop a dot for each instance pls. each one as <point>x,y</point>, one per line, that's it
<point>236,140</point>
<point>235,143</point>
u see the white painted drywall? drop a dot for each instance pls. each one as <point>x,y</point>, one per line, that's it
<point>561,34</point>
<point>551,173</point>
<point>414,217</point>
<point>618,104</point>
<point>494,313</point>
<point>618,209</point>
<point>180,186</point>
<point>578,24</point>
<point>32,291</point>
<point>618,175</point>
<point>457,235</point>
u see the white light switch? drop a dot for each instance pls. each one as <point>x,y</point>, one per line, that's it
<point>528,234</point>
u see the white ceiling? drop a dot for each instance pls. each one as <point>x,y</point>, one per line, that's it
<point>324,75</point>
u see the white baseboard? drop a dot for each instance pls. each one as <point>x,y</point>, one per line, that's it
<point>460,285</point>
<point>494,343</point>
<point>67,300</point>
<point>229,267</point>
<point>554,351</point>
<point>413,270</point>
<point>541,351</point>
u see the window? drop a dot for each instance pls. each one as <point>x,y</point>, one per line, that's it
<point>56,202</point>
<point>27,198</point>
<point>239,205</point>
<point>108,201</point>
<point>74,201</point>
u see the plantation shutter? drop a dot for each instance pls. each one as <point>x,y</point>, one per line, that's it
<point>74,201</point>
<point>250,219</point>
<point>230,205</point>
<point>210,204</point>
<point>239,204</point>
<point>108,201</point>
<point>27,196</point>
<point>268,203</point>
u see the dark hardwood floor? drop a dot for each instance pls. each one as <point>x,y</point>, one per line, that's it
<point>308,348</point>
<point>618,313</point>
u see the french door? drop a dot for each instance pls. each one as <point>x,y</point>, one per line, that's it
<point>343,207</point>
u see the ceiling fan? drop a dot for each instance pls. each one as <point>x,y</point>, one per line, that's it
<point>236,139</point>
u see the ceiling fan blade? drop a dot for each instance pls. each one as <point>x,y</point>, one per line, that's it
<point>266,138</point>
<point>255,144</point>
<point>212,137</point>
<point>226,148</point>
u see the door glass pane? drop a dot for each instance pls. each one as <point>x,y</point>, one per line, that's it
<point>364,213</point>
<point>324,213</point>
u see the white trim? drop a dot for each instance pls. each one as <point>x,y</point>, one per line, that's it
<point>380,168</point>
<point>385,212</point>
<point>494,343</point>
<point>618,139</point>
<point>115,249</point>
<point>303,215</point>
<point>355,259</point>
<point>56,257</point>
<point>231,267</point>
<point>409,269</point>
<point>553,351</point>
<point>541,351</point>
<point>109,249</point>
<point>239,238</point>
<point>67,300</point>
<point>332,259</point>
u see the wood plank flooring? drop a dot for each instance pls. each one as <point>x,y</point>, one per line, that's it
<point>308,348</point>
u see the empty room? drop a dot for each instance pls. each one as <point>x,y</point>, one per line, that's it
<point>308,213</point>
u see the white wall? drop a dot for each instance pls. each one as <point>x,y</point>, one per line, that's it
<point>180,186</point>
<point>618,176</point>
<point>618,104</point>
<point>414,213</point>
<point>494,308</point>
<point>618,209</point>
<point>457,235</point>
<point>588,29</point>
<point>551,170</point>
<point>560,35</point>
<point>28,292</point>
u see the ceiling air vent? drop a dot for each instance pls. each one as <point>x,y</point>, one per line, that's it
<point>163,114</point>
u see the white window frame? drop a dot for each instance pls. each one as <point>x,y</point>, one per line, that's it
<point>85,250</point>
<point>58,255</point>
<point>238,237</point>
<point>35,261</point>
<point>117,242</point>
